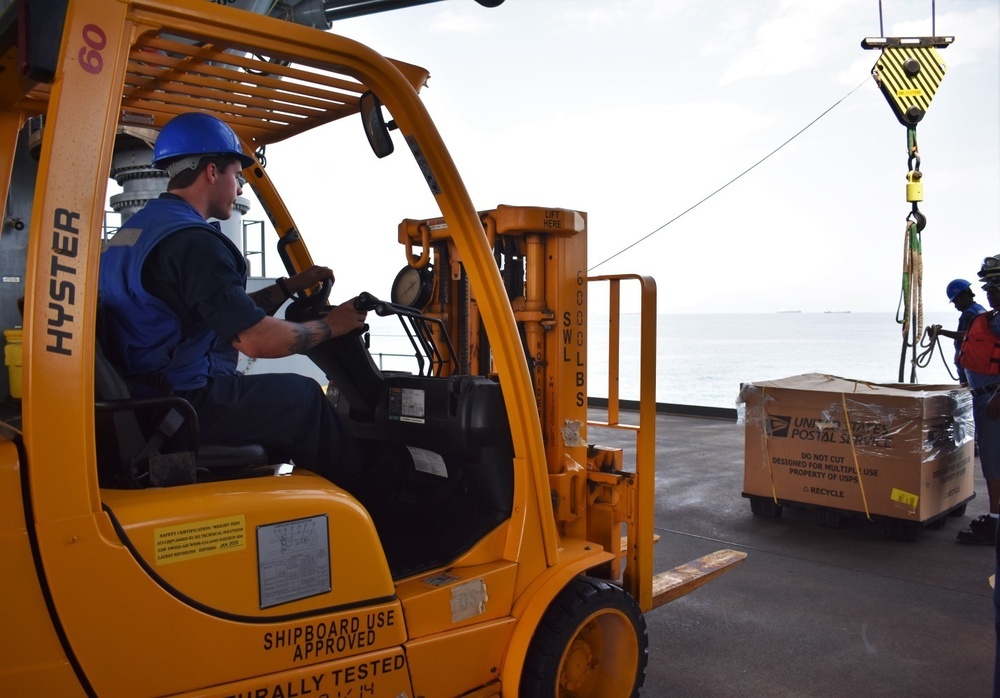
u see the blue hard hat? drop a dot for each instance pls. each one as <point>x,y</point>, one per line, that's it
<point>197,134</point>
<point>957,286</point>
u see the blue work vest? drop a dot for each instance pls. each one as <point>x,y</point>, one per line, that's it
<point>147,335</point>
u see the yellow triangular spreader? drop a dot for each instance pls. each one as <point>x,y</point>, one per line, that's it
<point>908,77</point>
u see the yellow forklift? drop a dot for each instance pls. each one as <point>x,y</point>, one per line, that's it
<point>501,554</point>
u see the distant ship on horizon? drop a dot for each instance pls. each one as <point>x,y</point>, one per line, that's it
<point>828,312</point>
<point>789,311</point>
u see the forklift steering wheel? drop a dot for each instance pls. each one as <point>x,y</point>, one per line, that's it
<point>309,307</point>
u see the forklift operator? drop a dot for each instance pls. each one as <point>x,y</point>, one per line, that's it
<point>174,301</point>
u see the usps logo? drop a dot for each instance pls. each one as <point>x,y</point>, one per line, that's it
<point>951,432</point>
<point>778,426</point>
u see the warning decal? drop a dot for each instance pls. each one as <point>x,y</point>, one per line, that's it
<point>199,539</point>
<point>293,559</point>
<point>406,405</point>
<point>428,462</point>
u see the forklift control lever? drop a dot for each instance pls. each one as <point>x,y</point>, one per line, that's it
<point>365,302</point>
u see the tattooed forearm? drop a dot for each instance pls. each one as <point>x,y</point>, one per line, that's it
<point>268,299</point>
<point>308,335</point>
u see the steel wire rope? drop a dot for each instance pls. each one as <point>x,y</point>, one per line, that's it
<point>881,26</point>
<point>733,180</point>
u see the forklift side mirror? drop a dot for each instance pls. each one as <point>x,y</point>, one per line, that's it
<point>375,126</point>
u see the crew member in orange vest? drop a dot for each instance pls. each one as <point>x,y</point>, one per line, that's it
<point>980,358</point>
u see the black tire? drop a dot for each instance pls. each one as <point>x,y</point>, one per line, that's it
<point>591,643</point>
<point>765,508</point>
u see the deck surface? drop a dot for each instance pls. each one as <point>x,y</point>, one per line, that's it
<point>813,611</point>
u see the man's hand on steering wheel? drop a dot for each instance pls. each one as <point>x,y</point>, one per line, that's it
<point>308,278</point>
<point>308,307</point>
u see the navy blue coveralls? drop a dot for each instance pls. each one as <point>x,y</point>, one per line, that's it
<point>173,289</point>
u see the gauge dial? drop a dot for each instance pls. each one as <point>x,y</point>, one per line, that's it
<point>412,287</point>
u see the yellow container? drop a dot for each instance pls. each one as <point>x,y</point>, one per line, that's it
<point>12,354</point>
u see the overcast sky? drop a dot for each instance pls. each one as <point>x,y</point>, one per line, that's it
<point>634,110</point>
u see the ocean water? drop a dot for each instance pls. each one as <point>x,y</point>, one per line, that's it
<point>703,359</point>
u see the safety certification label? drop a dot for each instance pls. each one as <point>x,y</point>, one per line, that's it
<point>199,539</point>
<point>406,405</point>
<point>293,558</point>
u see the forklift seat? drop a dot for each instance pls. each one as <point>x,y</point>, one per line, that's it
<point>154,442</point>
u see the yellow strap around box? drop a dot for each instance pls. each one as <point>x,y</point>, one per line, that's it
<point>854,455</point>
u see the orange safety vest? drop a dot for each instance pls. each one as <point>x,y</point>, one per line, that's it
<point>980,350</point>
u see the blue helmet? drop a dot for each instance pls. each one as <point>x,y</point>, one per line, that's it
<point>955,287</point>
<point>196,135</point>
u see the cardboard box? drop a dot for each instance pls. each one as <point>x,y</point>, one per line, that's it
<point>899,450</point>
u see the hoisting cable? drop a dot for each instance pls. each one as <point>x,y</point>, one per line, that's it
<point>881,27</point>
<point>911,301</point>
<point>731,181</point>
<point>908,72</point>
